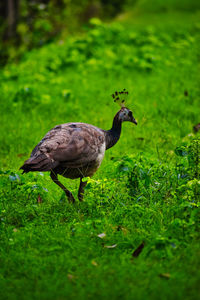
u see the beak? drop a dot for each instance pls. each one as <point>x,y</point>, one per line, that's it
<point>134,121</point>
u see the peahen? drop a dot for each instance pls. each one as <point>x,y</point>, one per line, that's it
<point>76,150</point>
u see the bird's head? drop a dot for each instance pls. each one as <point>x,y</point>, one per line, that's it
<point>124,114</point>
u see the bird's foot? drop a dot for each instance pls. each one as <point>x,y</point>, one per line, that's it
<point>80,197</point>
<point>70,197</point>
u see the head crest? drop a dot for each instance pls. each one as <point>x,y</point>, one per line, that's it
<point>120,97</point>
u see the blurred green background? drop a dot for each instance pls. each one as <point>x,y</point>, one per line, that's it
<point>27,24</point>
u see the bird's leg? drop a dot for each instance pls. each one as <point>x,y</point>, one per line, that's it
<point>69,195</point>
<point>81,189</point>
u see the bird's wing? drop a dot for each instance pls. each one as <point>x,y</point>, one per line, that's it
<point>73,144</point>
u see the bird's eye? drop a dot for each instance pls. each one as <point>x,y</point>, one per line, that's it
<point>130,113</point>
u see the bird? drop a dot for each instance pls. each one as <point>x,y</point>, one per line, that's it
<point>76,150</point>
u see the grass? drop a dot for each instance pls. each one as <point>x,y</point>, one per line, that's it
<point>147,189</point>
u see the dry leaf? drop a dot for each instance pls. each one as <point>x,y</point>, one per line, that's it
<point>101,235</point>
<point>120,228</point>
<point>124,230</point>
<point>94,263</point>
<point>111,247</point>
<point>165,275</point>
<point>39,199</point>
<point>137,251</point>
<point>196,128</point>
<point>70,277</point>
<point>21,154</point>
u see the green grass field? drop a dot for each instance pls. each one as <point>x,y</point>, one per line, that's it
<point>146,192</point>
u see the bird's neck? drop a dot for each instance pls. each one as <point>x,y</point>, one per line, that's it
<point>113,135</point>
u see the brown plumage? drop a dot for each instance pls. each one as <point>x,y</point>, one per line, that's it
<point>75,150</point>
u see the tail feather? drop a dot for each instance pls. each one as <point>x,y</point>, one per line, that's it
<point>38,163</point>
